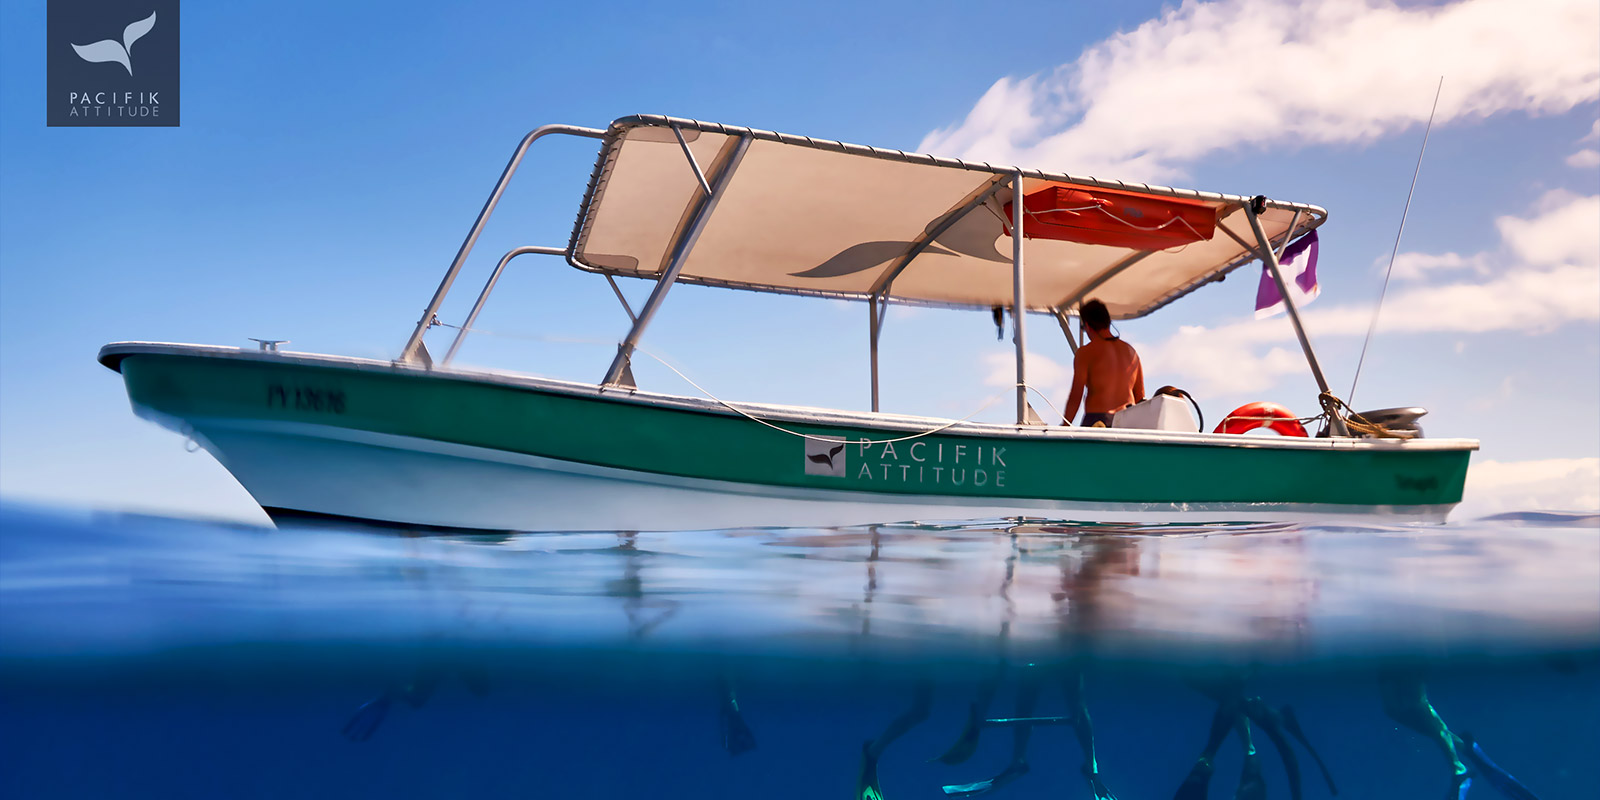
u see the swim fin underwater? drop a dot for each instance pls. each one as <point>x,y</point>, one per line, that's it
<point>1405,699</point>
<point>1013,771</point>
<point>367,718</point>
<point>1235,712</point>
<point>1021,732</point>
<point>1291,723</point>
<point>1251,785</point>
<point>1497,777</point>
<point>1083,729</point>
<point>1097,788</point>
<point>1196,785</point>
<point>737,739</point>
<point>867,787</point>
<point>370,715</point>
<point>967,743</point>
<point>1271,723</point>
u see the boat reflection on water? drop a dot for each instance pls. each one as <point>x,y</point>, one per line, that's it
<point>1069,590</point>
<point>1073,660</point>
<point>644,613</point>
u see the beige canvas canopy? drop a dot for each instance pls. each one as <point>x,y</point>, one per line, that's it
<point>816,217</point>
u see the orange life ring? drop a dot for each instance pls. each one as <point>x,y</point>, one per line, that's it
<point>1250,416</point>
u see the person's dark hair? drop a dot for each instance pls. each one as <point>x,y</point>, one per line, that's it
<point>1095,315</point>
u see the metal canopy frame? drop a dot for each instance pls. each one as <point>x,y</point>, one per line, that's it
<point>409,352</point>
<point>712,195</point>
<point>619,374</point>
<point>1002,174</point>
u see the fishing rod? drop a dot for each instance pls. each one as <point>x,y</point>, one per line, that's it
<point>1373,326</point>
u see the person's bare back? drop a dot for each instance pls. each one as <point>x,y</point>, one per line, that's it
<point>1107,368</point>
<point>1113,375</point>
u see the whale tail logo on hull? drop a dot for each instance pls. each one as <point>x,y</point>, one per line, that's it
<point>825,457</point>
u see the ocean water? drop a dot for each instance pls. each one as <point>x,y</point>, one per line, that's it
<point>155,657</point>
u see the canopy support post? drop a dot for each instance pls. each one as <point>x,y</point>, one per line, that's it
<point>1264,250</point>
<point>1288,236</point>
<point>483,297</point>
<point>680,255</point>
<point>874,327</point>
<point>694,165</point>
<point>626,309</point>
<point>885,281</point>
<point>1019,306</point>
<point>409,352</point>
<point>1066,329</point>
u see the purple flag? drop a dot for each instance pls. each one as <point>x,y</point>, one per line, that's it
<point>1299,265</point>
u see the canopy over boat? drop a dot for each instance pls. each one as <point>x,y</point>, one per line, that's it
<point>810,216</point>
<point>678,200</point>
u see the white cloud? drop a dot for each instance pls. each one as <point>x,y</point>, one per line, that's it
<point>1583,159</point>
<point>1594,133</point>
<point>1557,484</point>
<point>1205,77</point>
<point>1546,275</point>
<point>1417,266</point>
<point>1051,380</point>
<point>1567,231</point>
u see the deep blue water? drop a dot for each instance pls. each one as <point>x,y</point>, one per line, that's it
<point>154,657</point>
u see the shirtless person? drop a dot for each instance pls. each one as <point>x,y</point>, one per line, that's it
<point>1107,367</point>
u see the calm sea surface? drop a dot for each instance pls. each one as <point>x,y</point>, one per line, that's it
<point>155,657</point>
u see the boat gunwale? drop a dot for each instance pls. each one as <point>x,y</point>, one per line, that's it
<point>111,356</point>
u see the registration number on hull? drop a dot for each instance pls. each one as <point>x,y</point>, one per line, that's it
<point>305,398</point>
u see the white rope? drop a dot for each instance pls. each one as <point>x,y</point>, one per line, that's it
<point>730,406</point>
<point>1109,213</point>
<point>1047,402</point>
<point>531,337</point>
<point>736,409</point>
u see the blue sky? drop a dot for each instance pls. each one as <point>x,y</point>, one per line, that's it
<point>332,156</point>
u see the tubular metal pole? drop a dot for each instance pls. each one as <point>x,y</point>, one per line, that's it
<point>1019,306</point>
<point>494,277</point>
<point>617,290</point>
<point>1066,329</point>
<point>410,350</point>
<point>1268,257</point>
<point>1288,235</point>
<point>886,280</point>
<point>694,165</point>
<point>680,255</point>
<point>874,324</point>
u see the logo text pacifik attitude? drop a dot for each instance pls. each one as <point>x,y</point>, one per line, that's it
<point>112,63</point>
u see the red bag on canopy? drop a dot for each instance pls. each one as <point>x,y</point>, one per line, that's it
<point>1114,218</point>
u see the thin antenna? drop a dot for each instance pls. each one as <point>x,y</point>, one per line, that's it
<point>1396,252</point>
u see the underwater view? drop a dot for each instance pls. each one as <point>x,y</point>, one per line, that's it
<point>156,657</point>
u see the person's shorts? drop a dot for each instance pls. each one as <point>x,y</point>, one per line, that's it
<point>1090,419</point>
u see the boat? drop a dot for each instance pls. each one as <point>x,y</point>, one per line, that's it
<point>416,441</point>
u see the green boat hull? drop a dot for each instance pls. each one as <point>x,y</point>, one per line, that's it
<point>374,440</point>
